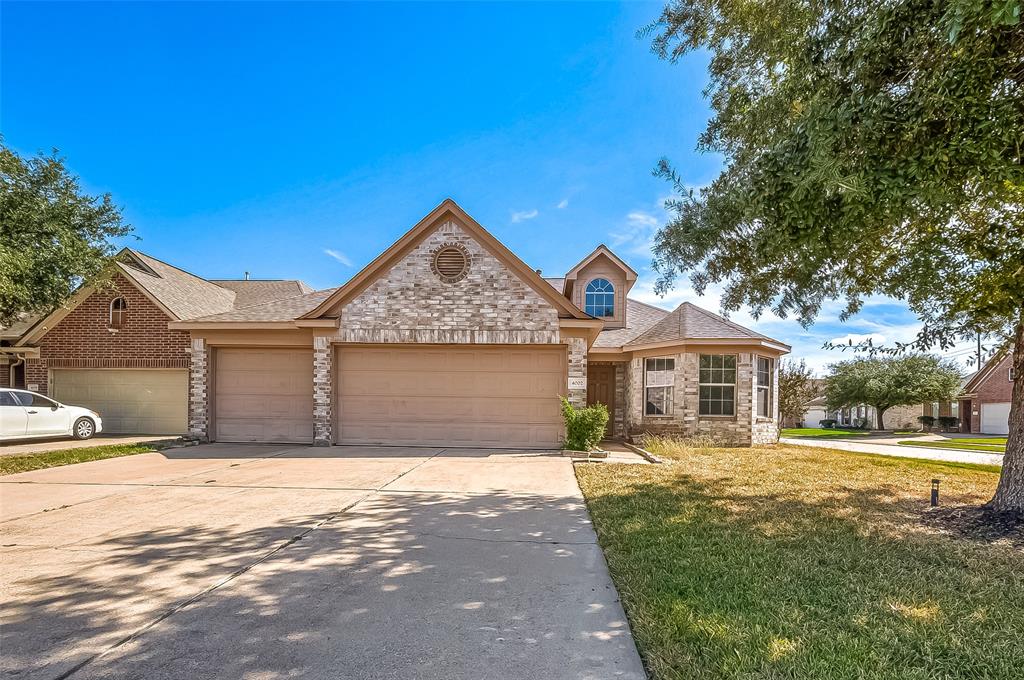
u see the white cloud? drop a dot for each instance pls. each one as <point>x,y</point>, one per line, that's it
<point>339,256</point>
<point>639,218</point>
<point>522,215</point>
<point>563,204</point>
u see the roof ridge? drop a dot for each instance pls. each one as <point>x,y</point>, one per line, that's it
<point>168,264</point>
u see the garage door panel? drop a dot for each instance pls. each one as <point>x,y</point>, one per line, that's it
<point>995,418</point>
<point>263,395</point>
<point>450,396</point>
<point>136,401</point>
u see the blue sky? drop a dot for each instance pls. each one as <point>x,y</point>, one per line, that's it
<point>300,140</point>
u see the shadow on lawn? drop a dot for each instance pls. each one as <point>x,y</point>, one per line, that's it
<point>720,583</point>
<point>403,585</point>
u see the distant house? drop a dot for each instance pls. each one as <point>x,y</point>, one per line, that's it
<point>896,418</point>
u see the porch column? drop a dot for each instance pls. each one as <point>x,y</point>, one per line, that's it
<point>323,384</point>
<point>198,398</point>
<point>577,372</point>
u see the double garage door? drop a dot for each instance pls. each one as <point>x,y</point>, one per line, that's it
<point>450,396</point>
<point>130,401</point>
<point>429,396</point>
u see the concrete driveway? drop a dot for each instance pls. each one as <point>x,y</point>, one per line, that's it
<point>254,561</point>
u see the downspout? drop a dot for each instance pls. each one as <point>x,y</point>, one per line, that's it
<point>11,367</point>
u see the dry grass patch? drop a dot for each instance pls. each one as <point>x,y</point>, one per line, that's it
<point>9,465</point>
<point>800,562</point>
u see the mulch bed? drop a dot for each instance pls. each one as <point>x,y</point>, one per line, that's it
<point>978,523</point>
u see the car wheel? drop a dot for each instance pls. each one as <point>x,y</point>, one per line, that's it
<point>83,429</point>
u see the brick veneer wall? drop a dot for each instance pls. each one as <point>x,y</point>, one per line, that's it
<point>410,303</point>
<point>743,429</point>
<point>996,388</point>
<point>82,339</point>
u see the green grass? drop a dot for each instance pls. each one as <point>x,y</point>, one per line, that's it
<point>991,445</point>
<point>37,461</point>
<point>793,562</point>
<point>820,432</point>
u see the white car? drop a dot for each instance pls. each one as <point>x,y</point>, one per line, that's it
<point>27,414</point>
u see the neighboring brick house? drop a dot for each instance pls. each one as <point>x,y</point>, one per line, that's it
<point>110,347</point>
<point>448,339</point>
<point>984,403</point>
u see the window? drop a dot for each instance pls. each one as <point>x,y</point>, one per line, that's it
<point>118,312</point>
<point>765,382</point>
<point>659,379</point>
<point>7,399</point>
<point>599,300</point>
<point>717,385</point>
<point>31,399</point>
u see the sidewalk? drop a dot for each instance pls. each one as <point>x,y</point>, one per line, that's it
<point>946,455</point>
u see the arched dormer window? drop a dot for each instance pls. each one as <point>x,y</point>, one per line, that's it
<point>599,299</point>
<point>118,312</point>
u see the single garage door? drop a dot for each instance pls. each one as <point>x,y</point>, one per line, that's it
<point>995,418</point>
<point>263,395</point>
<point>451,396</point>
<point>135,401</point>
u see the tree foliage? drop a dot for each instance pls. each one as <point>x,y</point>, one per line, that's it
<point>52,235</point>
<point>796,388</point>
<point>884,382</point>
<point>871,147</point>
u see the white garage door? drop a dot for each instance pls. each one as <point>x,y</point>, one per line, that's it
<point>130,401</point>
<point>263,395</point>
<point>451,396</point>
<point>995,418</point>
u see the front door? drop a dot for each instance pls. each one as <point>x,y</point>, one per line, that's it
<point>601,390</point>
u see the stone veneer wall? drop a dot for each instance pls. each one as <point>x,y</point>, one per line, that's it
<point>323,382</point>
<point>198,403</point>
<point>743,429</point>
<point>578,369</point>
<point>411,304</point>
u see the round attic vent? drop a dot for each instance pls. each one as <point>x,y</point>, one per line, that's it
<point>451,262</point>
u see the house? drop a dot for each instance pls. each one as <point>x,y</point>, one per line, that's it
<point>447,338</point>
<point>984,401</point>
<point>110,347</point>
<point>860,415</point>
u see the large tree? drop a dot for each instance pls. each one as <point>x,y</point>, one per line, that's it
<point>53,236</point>
<point>796,388</point>
<point>885,382</point>
<point>871,147</point>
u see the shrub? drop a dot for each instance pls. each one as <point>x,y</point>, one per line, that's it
<point>948,422</point>
<point>827,423</point>
<point>927,421</point>
<point>584,427</point>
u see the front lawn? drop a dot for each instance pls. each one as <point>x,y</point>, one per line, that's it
<point>819,432</point>
<point>37,461</point>
<point>799,562</point>
<point>989,444</point>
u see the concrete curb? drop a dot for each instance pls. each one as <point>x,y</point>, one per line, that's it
<point>651,458</point>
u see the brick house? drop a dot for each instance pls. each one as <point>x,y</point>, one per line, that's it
<point>110,347</point>
<point>984,403</point>
<point>447,338</point>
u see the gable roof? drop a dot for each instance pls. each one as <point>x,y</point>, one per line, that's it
<point>258,291</point>
<point>181,294</point>
<point>601,249</point>
<point>446,210</point>
<point>985,372</point>
<point>690,322</point>
<point>639,318</point>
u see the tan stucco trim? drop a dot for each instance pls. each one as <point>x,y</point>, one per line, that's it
<point>448,209</point>
<point>26,352</point>
<point>734,343</point>
<point>587,329</point>
<point>234,325</point>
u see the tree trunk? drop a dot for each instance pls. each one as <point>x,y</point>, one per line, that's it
<point>880,414</point>
<point>1010,492</point>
